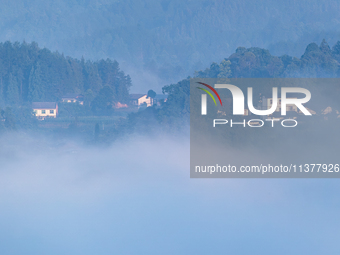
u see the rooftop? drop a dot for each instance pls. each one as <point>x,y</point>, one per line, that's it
<point>136,96</point>
<point>44,105</point>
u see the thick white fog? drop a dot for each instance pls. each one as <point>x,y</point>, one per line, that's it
<point>136,197</point>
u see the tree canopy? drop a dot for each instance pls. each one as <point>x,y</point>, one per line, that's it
<point>28,74</point>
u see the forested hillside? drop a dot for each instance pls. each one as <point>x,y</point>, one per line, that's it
<point>169,39</point>
<point>317,61</point>
<point>30,74</point>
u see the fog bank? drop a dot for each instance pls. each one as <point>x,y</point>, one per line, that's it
<point>136,197</point>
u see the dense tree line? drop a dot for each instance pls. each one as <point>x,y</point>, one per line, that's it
<point>102,82</point>
<point>317,61</point>
<point>31,74</point>
<point>169,37</point>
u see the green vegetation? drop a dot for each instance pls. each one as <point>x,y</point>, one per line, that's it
<point>31,76</point>
<point>169,38</point>
<point>317,61</point>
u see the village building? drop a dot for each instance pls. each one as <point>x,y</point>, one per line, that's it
<point>73,98</point>
<point>139,99</point>
<point>45,109</point>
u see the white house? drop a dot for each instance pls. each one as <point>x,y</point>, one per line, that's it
<point>73,98</point>
<point>139,99</point>
<point>45,109</point>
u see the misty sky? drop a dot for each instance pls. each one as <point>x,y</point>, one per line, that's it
<point>72,199</point>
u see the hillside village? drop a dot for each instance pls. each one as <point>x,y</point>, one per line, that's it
<point>71,93</point>
<point>43,110</point>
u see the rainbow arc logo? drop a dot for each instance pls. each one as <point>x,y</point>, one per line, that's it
<point>209,93</point>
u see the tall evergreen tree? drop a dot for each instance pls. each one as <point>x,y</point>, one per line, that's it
<point>12,90</point>
<point>35,85</point>
<point>2,88</point>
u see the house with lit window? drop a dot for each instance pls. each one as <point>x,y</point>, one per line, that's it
<point>73,98</point>
<point>44,110</point>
